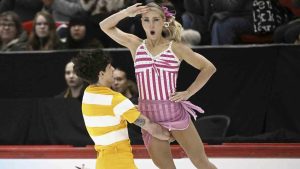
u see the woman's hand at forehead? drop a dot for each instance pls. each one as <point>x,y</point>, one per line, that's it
<point>136,9</point>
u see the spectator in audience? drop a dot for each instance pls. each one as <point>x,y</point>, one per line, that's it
<point>75,85</point>
<point>228,24</point>
<point>99,10</point>
<point>62,10</point>
<point>101,6</point>
<point>124,85</point>
<point>43,35</point>
<point>196,17</point>
<point>190,37</point>
<point>288,33</point>
<point>80,34</point>
<point>12,35</point>
<point>25,9</point>
<point>179,8</point>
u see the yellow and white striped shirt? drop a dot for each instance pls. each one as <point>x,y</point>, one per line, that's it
<point>105,113</point>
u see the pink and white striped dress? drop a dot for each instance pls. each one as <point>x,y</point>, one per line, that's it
<point>156,75</point>
<point>156,79</point>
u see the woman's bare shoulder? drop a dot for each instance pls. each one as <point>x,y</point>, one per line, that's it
<point>180,49</point>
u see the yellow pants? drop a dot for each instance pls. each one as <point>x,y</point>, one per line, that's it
<point>118,156</point>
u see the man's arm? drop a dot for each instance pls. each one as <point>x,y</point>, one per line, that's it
<point>140,122</point>
<point>125,108</point>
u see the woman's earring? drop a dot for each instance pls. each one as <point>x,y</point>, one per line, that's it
<point>166,24</point>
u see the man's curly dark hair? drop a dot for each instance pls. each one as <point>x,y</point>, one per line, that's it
<point>88,64</point>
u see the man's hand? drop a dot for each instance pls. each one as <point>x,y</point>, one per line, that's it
<point>152,128</point>
<point>157,131</point>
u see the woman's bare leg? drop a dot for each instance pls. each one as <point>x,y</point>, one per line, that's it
<point>160,153</point>
<point>192,144</point>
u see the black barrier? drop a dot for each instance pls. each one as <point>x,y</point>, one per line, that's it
<point>42,121</point>
<point>256,86</point>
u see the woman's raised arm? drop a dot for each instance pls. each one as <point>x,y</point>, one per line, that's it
<point>109,24</point>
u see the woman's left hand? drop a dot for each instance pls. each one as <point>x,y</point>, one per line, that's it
<point>180,96</point>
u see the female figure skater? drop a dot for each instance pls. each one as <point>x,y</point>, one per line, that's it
<point>157,60</point>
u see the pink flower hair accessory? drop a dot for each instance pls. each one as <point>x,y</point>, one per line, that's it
<point>168,14</point>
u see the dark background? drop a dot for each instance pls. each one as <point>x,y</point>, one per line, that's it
<point>256,86</point>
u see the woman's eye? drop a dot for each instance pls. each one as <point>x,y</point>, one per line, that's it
<point>146,20</point>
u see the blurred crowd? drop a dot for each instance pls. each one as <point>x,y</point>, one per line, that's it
<point>74,24</point>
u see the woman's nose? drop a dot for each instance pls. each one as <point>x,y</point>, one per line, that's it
<point>151,24</point>
<point>72,75</point>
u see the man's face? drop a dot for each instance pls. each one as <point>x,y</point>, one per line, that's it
<point>108,75</point>
<point>120,81</point>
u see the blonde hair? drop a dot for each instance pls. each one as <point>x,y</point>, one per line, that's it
<point>172,29</point>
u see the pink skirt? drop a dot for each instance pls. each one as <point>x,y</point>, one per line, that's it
<point>171,115</point>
